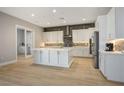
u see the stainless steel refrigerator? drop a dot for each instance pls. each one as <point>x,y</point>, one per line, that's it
<point>94,48</point>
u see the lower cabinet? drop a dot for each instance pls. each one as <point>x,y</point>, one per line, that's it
<point>81,52</point>
<point>102,63</point>
<point>36,56</point>
<point>53,57</point>
<point>63,58</point>
<point>44,57</point>
<point>112,66</point>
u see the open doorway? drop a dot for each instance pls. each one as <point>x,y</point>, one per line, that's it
<point>24,42</point>
<point>29,43</point>
<point>20,42</point>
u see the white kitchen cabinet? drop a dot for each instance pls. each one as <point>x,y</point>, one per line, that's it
<point>111,24</point>
<point>102,63</point>
<point>53,57</point>
<point>122,69</point>
<point>77,51</point>
<point>75,36</point>
<point>81,52</point>
<point>101,25</point>
<point>86,52</point>
<point>63,58</point>
<point>119,22</point>
<point>82,35</point>
<point>112,65</point>
<point>115,21</point>
<point>60,36</point>
<point>36,56</point>
<point>53,37</point>
<point>44,57</point>
<point>47,36</point>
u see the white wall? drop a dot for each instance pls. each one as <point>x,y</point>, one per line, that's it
<point>8,36</point>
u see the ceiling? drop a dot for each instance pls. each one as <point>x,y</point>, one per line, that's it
<point>44,16</point>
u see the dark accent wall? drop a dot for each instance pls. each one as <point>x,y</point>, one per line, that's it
<point>71,27</point>
<point>67,31</point>
<point>57,28</point>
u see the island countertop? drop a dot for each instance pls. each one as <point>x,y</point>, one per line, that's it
<point>55,48</point>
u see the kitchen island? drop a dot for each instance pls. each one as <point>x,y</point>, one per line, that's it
<point>60,57</point>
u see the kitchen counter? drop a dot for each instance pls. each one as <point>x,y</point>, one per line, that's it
<point>111,65</point>
<point>112,52</point>
<point>55,48</point>
<point>60,57</point>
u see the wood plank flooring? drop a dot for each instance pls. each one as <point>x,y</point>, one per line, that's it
<point>24,72</point>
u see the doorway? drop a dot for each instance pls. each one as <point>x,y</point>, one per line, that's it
<point>20,42</point>
<point>24,42</point>
<point>29,43</point>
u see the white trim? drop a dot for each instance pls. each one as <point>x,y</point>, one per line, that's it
<point>8,62</point>
<point>25,29</point>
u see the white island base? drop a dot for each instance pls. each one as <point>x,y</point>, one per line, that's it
<point>60,57</point>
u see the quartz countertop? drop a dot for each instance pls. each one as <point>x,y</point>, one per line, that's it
<point>54,48</point>
<point>112,52</point>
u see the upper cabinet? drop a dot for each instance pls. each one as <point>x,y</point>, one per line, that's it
<point>101,26</point>
<point>75,36</point>
<point>60,37</point>
<point>53,37</point>
<point>115,21</point>
<point>119,22</point>
<point>81,35</point>
<point>111,24</point>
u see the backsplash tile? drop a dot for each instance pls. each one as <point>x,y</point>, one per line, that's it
<point>119,45</point>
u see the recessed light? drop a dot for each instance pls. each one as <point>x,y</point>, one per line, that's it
<point>83,19</point>
<point>48,23</point>
<point>64,21</point>
<point>54,10</point>
<point>32,15</point>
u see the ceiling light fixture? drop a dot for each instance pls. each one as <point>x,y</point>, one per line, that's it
<point>64,21</point>
<point>54,10</point>
<point>83,19</point>
<point>48,23</point>
<point>32,15</point>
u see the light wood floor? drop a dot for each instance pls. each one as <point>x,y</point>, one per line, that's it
<point>25,73</point>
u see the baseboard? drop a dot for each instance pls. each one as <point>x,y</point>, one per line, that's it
<point>8,62</point>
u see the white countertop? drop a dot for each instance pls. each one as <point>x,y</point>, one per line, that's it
<point>57,48</point>
<point>112,52</point>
